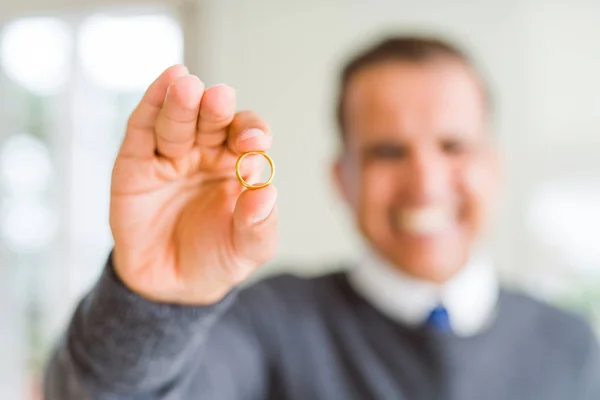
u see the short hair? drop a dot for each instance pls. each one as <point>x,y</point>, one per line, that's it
<point>412,49</point>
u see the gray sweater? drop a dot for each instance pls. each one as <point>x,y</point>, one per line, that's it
<point>289,338</point>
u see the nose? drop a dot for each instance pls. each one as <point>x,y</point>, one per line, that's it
<point>429,176</point>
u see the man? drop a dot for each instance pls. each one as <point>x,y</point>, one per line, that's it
<point>421,317</point>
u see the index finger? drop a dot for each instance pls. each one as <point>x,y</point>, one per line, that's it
<point>249,131</point>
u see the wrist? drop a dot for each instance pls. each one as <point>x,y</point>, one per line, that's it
<point>164,289</point>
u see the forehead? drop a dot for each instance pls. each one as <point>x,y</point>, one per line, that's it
<point>414,99</point>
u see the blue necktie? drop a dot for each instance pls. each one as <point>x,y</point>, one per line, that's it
<point>439,320</point>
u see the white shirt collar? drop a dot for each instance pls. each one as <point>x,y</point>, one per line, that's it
<point>470,296</point>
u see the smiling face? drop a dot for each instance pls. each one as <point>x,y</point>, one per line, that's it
<point>418,168</point>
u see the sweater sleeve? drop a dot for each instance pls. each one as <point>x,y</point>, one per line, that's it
<point>121,346</point>
<point>590,377</point>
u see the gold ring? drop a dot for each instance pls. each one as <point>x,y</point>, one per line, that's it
<point>239,175</point>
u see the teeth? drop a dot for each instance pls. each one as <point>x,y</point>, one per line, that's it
<point>424,220</point>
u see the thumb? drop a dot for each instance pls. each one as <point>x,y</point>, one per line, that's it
<point>255,224</point>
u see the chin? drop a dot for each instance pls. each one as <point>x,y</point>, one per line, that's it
<point>434,267</point>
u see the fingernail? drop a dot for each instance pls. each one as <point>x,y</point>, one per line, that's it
<point>263,214</point>
<point>250,133</point>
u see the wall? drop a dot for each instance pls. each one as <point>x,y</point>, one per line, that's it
<point>283,60</point>
<point>283,57</point>
<point>541,58</point>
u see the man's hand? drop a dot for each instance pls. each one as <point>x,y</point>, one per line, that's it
<point>185,229</point>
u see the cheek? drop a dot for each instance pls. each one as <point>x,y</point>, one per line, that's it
<point>475,179</point>
<point>378,187</point>
<point>478,186</point>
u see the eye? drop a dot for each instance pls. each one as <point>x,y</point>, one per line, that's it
<point>386,152</point>
<point>453,146</point>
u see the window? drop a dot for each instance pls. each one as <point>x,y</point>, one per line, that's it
<point>68,85</point>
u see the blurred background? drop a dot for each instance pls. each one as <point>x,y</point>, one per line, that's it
<point>72,70</point>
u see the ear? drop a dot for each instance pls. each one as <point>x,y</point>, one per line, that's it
<point>500,167</point>
<point>497,168</point>
<point>339,176</point>
<point>493,182</point>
